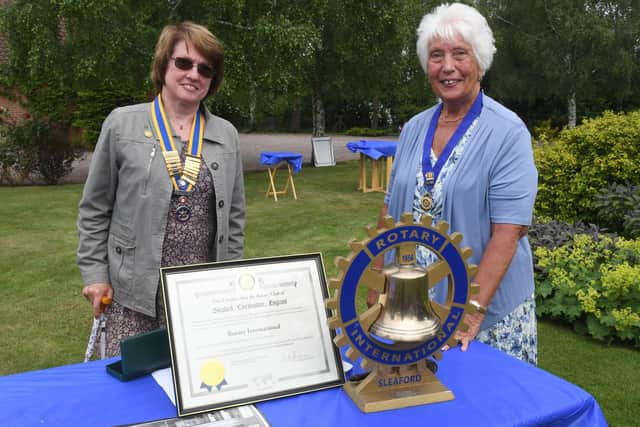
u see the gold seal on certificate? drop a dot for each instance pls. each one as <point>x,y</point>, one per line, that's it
<point>212,374</point>
<point>398,336</point>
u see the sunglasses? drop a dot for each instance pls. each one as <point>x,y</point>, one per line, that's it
<point>187,64</point>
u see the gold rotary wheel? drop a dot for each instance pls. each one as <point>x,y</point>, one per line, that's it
<point>355,271</point>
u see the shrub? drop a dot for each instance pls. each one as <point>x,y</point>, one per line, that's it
<point>618,207</point>
<point>580,161</point>
<point>551,234</point>
<point>55,152</point>
<point>35,148</point>
<point>367,132</point>
<point>594,285</point>
<point>17,161</point>
<point>545,132</point>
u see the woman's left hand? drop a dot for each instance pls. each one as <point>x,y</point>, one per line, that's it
<point>493,266</point>
<point>473,320</point>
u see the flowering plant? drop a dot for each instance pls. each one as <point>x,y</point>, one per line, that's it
<point>593,284</point>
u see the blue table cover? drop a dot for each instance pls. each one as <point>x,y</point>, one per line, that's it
<point>272,158</point>
<point>490,388</point>
<point>373,149</point>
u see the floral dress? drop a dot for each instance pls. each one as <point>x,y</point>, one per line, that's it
<point>185,243</point>
<point>516,334</point>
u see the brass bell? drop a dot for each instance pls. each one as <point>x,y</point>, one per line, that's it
<point>406,315</point>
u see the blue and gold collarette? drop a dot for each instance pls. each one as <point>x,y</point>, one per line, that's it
<point>183,179</point>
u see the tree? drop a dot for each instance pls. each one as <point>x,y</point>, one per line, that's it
<point>377,48</point>
<point>36,55</point>
<point>73,59</point>
<point>560,51</point>
<point>290,53</point>
<point>328,59</point>
<point>268,46</point>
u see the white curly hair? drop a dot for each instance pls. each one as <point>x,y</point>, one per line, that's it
<point>449,21</point>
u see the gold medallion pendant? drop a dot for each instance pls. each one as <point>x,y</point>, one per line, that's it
<point>426,202</point>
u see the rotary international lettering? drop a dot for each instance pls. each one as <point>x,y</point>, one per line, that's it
<point>408,234</point>
<point>248,331</point>
<point>376,352</point>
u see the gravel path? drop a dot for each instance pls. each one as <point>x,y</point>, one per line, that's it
<point>251,145</point>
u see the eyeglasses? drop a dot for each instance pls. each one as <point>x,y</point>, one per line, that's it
<point>187,64</point>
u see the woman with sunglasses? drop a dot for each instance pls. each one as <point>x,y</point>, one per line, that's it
<point>165,187</point>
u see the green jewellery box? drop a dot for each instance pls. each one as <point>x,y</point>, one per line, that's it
<point>141,355</point>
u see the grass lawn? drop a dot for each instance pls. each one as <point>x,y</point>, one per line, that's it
<point>44,320</point>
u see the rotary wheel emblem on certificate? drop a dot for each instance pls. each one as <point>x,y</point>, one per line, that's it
<point>399,335</point>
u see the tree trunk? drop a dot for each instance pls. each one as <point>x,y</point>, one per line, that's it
<point>318,115</point>
<point>374,115</point>
<point>571,109</point>
<point>253,96</point>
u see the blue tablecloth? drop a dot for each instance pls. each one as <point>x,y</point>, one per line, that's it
<point>490,388</point>
<point>272,158</point>
<point>373,149</point>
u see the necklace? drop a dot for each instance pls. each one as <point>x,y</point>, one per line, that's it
<point>430,171</point>
<point>182,176</point>
<point>455,120</point>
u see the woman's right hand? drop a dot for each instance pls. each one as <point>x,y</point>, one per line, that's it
<point>94,293</point>
<point>372,297</point>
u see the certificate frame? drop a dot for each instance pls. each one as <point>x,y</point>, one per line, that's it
<point>246,331</point>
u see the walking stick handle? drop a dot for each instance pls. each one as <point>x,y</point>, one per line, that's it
<point>104,302</point>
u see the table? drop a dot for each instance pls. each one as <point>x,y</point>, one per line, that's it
<point>491,389</point>
<point>274,159</point>
<point>376,151</point>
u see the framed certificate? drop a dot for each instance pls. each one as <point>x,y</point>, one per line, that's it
<point>245,331</point>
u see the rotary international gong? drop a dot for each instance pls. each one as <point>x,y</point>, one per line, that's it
<point>399,337</point>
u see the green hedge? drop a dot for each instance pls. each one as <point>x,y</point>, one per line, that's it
<point>367,132</point>
<point>579,162</point>
<point>593,284</point>
<point>619,209</point>
<point>34,149</point>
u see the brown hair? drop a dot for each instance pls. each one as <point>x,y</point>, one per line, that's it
<point>197,36</point>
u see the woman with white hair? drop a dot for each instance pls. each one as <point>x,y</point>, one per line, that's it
<point>468,160</point>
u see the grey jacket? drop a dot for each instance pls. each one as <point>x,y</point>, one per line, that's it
<point>123,212</point>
